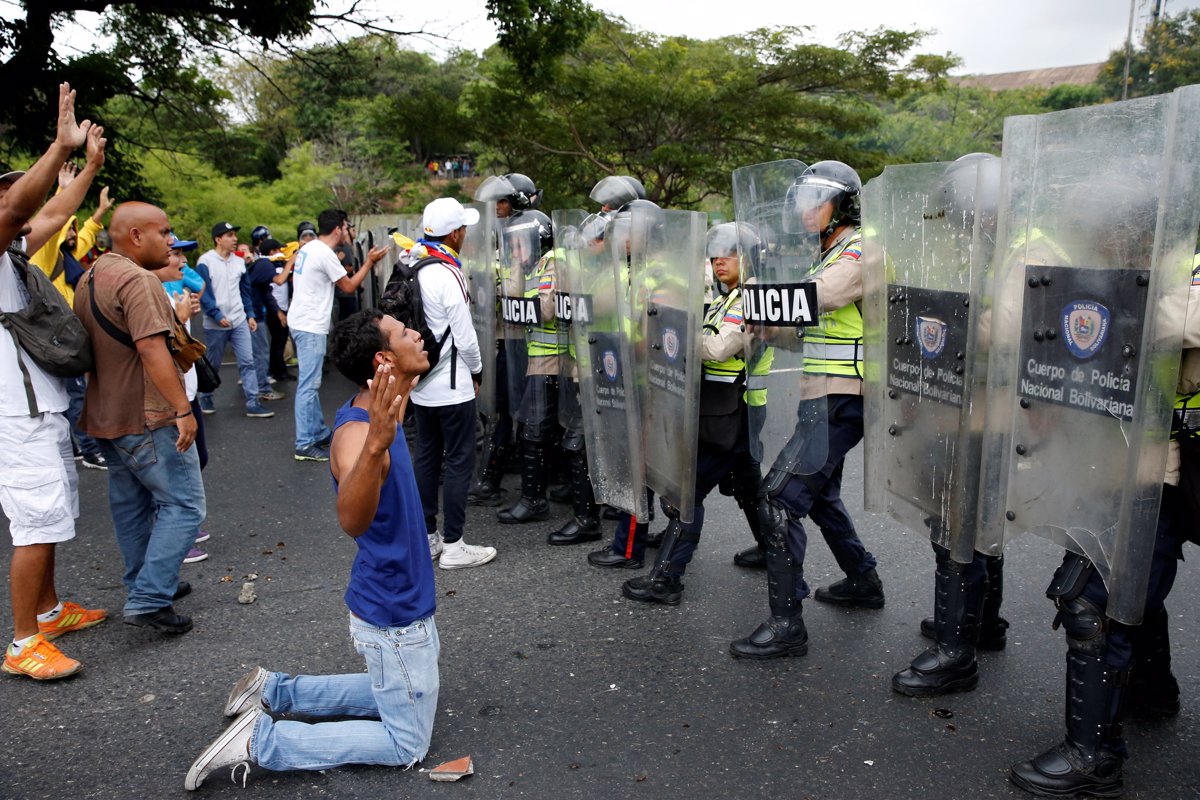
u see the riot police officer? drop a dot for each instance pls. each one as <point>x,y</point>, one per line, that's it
<point>513,194</point>
<point>723,432</point>
<point>529,244</point>
<point>824,200</point>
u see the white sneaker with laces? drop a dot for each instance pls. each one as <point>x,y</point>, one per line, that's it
<point>246,693</point>
<point>460,555</point>
<point>435,545</point>
<point>230,749</point>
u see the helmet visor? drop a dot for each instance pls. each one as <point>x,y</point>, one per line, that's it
<point>494,189</point>
<point>614,191</point>
<point>802,207</point>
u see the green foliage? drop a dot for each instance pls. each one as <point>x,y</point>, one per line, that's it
<point>537,33</point>
<point>196,195</point>
<point>1169,57</point>
<point>681,114</point>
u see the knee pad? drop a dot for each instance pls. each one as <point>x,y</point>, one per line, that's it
<point>774,521</point>
<point>572,441</point>
<point>1085,626</point>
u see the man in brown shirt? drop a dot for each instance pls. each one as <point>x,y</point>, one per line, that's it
<point>138,412</point>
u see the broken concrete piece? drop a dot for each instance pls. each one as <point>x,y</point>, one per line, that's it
<point>452,770</point>
<point>247,595</point>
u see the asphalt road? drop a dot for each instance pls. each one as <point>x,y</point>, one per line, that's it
<point>551,681</point>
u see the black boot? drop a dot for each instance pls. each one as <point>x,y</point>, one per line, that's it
<point>533,505</point>
<point>575,531</point>
<point>861,591</point>
<point>1153,690</point>
<point>950,665</point>
<point>585,525</point>
<point>1088,761</point>
<point>751,558</point>
<point>650,589</point>
<point>993,628</point>
<point>783,633</point>
<point>486,491</point>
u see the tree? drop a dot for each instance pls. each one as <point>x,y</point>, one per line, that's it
<point>681,114</point>
<point>160,54</point>
<point>1169,57</point>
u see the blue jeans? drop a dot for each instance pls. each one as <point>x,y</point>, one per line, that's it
<point>260,342</point>
<point>157,502</point>
<point>76,389</point>
<point>216,340</point>
<point>310,421</point>
<point>396,699</point>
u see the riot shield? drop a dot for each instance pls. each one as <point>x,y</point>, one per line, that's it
<point>925,262</point>
<point>527,314</point>
<point>1097,231</point>
<point>601,314</point>
<point>666,258</point>
<point>789,432</point>
<point>479,266</point>
<point>568,244</point>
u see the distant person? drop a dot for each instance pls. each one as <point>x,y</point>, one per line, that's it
<point>383,715</point>
<point>231,317</point>
<point>267,314</point>
<point>316,272</point>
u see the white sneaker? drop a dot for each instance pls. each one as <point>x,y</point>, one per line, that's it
<point>230,749</point>
<point>435,545</point>
<point>460,555</point>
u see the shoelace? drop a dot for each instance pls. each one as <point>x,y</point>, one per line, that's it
<point>245,772</point>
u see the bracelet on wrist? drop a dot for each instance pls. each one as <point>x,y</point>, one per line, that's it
<point>184,415</point>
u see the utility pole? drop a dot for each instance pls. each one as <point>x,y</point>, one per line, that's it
<point>1128,51</point>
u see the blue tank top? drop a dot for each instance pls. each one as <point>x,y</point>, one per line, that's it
<point>391,580</point>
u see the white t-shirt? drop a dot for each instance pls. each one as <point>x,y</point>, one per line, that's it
<point>316,270</point>
<point>225,282</point>
<point>190,382</point>
<point>48,391</point>
<point>280,290</point>
<point>443,294</point>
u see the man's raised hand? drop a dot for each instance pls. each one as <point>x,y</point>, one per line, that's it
<point>71,134</point>
<point>95,146</point>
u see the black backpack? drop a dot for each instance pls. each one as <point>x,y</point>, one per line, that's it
<point>401,299</point>
<point>46,330</point>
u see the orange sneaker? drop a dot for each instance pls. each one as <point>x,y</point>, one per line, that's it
<point>73,617</point>
<point>40,660</point>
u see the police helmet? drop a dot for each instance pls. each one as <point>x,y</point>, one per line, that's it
<point>593,227</point>
<point>824,182</point>
<point>493,188</point>
<point>531,225</point>
<point>304,228</point>
<point>617,191</point>
<point>971,187</point>
<point>525,194</point>
<point>259,233</point>
<point>636,226</point>
<point>729,238</point>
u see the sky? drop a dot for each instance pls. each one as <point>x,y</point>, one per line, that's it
<point>989,37</point>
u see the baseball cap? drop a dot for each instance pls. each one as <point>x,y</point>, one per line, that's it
<point>268,244</point>
<point>446,215</point>
<point>181,244</point>
<point>223,227</point>
<point>11,177</point>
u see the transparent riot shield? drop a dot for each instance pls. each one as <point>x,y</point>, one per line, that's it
<point>527,313</point>
<point>568,245</point>
<point>924,268</point>
<point>666,257</point>
<point>789,432</point>
<point>479,266</point>
<point>601,314</point>
<point>1097,231</point>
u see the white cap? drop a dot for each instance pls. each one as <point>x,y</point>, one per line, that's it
<point>446,215</point>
